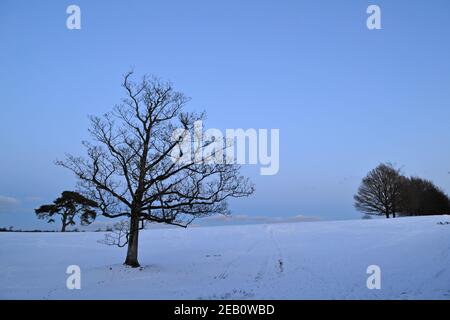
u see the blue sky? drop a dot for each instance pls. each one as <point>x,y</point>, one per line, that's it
<point>344,98</point>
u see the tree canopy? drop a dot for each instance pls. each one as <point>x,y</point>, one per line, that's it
<point>69,206</point>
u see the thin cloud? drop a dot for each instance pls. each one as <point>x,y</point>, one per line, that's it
<point>34,198</point>
<point>8,202</point>
<point>248,219</point>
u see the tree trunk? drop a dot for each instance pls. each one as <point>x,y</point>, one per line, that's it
<point>387,215</point>
<point>393,214</point>
<point>63,220</point>
<point>132,252</point>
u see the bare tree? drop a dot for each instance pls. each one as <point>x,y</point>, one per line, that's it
<point>133,167</point>
<point>118,236</point>
<point>379,192</point>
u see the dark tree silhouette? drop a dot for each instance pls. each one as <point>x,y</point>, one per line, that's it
<point>422,197</point>
<point>379,192</point>
<point>131,170</point>
<point>69,205</point>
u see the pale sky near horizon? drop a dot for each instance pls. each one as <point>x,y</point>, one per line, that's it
<point>344,98</point>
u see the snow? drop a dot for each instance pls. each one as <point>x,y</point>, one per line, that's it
<point>309,260</point>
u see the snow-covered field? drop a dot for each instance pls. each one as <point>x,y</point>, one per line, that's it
<point>311,260</point>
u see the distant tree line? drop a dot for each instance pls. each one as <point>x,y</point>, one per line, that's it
<point>385,191</point>
<point>11,229</point>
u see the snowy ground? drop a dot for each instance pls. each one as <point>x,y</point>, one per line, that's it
<point>311,260</point>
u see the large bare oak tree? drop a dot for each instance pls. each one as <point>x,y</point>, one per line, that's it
<point>131,171</point>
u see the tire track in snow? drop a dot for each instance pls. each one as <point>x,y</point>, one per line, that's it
<point>226,272</point>
<point>277,252</point>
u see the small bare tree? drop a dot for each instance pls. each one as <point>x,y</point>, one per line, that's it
<point>118,236</point>
<point>379,192</point>
<point>131,170</point>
